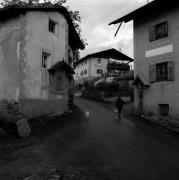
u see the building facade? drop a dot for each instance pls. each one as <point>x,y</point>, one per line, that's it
<point>156,57</point>
<point>90,68</point>
<point>97,64</point>
<point>36,54</point>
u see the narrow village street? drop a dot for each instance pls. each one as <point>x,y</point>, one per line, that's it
<point>101,148</point>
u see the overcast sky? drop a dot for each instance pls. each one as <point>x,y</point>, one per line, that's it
<point>96,15</point>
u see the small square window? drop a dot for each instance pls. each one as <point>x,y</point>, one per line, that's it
<point>164,109</point>
<point>99,61</point>
<point>99,71</point>
<point>52,26</point>
<point>45,57</point>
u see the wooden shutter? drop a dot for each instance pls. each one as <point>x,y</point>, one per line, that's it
<point>170,71</point>
<point>152,73</point>
<point>152,33</point>
<point>166,28</point>
<point>44,78</point>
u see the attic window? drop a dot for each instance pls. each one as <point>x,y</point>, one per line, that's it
<point>52,26</point>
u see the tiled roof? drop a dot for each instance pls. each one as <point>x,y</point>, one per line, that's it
<point>110,53</point>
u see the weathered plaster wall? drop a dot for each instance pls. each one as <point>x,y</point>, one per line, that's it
<point>39,39</point>
<point>22,41</point>
<point>12,53</point>
<point>158,92</point>
<point>56,102</point>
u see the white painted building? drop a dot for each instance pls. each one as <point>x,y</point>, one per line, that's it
<point>156,57</point>
<point>95,65</point>
<point>36,57</point>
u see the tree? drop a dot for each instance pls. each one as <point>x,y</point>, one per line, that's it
<point>76,19</point>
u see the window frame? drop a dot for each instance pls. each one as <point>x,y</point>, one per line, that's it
<point>52,26</point>
<point>99,71</point>
<point>160,72</point>
<point>99,60</point>
<point>155,32</point>
<point>44,61</point>
<point>85,71</point>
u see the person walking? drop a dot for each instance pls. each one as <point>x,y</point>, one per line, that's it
<point>119,105</point>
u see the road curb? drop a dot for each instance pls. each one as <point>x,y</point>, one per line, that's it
<point>169,129</point>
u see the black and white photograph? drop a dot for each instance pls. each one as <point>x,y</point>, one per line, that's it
<point>89,90</point>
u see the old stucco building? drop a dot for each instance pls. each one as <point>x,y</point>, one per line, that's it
<point>37,45</point>
<point>156,57</point>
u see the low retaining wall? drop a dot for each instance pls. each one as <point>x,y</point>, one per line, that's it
<point>38,107</point>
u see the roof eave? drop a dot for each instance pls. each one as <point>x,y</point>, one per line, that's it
<point>132,15</point>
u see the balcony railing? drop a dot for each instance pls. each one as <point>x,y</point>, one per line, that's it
<point>118,66</point>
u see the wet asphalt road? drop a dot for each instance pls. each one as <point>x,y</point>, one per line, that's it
<point>105,148</point>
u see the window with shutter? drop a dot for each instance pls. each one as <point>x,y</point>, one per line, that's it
<point>158,31</point>
<point>151,34</point>
<point>161,30</point>
<point>152,73</point>
<point>162,71</point>
<point>170,71</point>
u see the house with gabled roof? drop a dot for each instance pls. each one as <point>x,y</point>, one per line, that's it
<point>102,63</point>
<point>37,46</point>
<point>156,57</point>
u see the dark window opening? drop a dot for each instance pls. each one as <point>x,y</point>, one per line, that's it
<point>99,71</point>
<point>45,57</point>
<point>162,71</point>
<point>52,26</point>
<point>158,31</point>
<point>99,61</point>
<point>164,109</point>
<point>85,71</point>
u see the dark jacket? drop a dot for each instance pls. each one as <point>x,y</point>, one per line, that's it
<point>119,103</point>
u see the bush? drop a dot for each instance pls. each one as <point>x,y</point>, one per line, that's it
<point>101,86</point>
<point>11,112</point>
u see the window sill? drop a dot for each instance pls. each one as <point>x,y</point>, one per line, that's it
<point>162,82</point>
<point>54,33</point>
<point>57,92</point>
